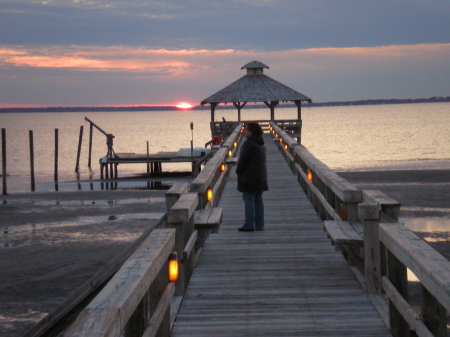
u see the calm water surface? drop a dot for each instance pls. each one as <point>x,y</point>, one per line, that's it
<point>378,137</point>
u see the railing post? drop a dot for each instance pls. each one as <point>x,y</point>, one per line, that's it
<point>174,193</point>
<point>180,216</point>
<point>433,314</point>
<point>397,274</point>
<point>370,218</point>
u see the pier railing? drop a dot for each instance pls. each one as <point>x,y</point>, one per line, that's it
<point>292,127</point>
<point>364,226</point>
<point>191,207</point>
<point>139,298</point>
<point>138,290</point>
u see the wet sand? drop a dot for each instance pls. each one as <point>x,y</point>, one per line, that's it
<point>423,194</point>
<point>51,247</point>
<point>57,240</point>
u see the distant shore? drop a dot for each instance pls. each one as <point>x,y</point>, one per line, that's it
<point>195,107</point>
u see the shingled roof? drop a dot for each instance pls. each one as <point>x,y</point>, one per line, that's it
<point>255,87</point>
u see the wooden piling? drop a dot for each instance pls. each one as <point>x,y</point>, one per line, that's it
<point>4,173</point>
<point>90,144</point>
<point>79,148</point>
<point>148,166</point>
<point>56,155</point>
<point>33,183</point>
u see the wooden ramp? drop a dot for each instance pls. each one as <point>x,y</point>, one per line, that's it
<point>284,281</point>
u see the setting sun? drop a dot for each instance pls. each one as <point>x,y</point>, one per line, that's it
<point>184,105</point>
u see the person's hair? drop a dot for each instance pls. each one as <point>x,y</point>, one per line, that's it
<point>255,129</point>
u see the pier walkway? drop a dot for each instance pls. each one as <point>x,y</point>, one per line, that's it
<point>284,281</point>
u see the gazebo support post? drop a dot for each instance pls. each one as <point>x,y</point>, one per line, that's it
<point>299,109</point>
<point>239,106</point>
<point>272,106</point>
<point>213,108</point>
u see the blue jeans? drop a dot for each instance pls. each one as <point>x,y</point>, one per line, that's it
<point>254,210</point>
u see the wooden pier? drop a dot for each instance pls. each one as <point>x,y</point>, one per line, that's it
<point>332,261</point>
<point>284,281</point>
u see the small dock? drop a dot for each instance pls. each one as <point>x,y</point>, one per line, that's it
<point>154,161</point>
<point>284,281</point>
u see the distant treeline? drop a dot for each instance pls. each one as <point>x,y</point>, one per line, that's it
<point>385,101</point>
<point>229,106</point>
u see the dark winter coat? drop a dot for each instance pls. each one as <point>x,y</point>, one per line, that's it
<point>251,168</point>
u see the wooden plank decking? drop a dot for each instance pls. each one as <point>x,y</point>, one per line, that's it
<point>284,281</point>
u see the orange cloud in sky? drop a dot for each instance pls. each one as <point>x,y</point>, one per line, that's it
<point>103,59</point>
<point>393,50</point>
<point>178,62</point>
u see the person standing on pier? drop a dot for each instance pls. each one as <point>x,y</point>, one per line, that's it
<point>252,177</point>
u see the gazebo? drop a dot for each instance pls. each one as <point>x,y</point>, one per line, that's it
<point>256,87</point>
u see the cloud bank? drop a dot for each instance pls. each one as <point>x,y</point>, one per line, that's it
<point>77,52</point>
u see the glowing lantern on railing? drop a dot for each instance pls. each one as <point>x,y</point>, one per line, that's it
<point>286,147</point>
<point>310,175</point>
<point>281,140</point>
<point>230,153</point>
<point>209,194</point>
<point>276,135</point>
<point>173,267</point>
<point>222,168</point>
<point>235,144</point>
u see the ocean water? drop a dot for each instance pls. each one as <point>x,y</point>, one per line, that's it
<point>347,138</point>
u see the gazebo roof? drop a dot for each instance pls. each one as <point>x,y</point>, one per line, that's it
<point>255,87</point>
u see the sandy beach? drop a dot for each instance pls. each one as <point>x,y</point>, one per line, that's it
<point>423,194</point>
<point>53,242</point>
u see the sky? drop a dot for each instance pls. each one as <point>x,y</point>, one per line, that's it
<point>144,52</point>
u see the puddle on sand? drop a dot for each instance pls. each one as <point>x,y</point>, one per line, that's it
<point>427,224</point>
<point>15,236</point>
<point>438,229</point>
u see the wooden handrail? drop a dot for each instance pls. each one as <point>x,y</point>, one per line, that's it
<point>211,176</point>
<point>430,267</point>
<point>111,310</point>
<point>387,243</point>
